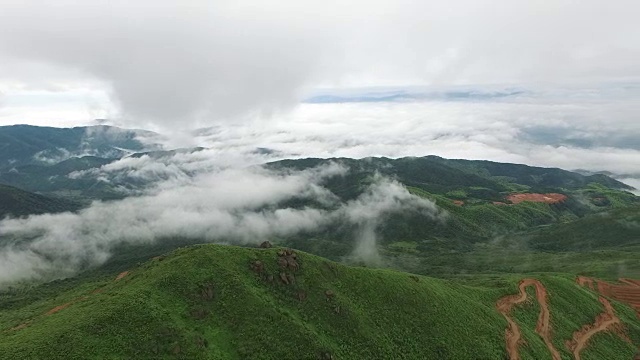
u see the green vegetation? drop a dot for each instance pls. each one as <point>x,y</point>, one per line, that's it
<point>15,202</point>
<point>31,145</point>
<point>593,232</point>
<point>569,305</point>
<point>41,159</point>
<point>224,302</point>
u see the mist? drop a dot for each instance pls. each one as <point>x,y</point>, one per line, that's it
<point>236,77</point>
<point>232,205</point>
<point>383,198</point>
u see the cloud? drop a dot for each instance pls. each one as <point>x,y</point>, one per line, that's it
<point>173,64</point>
<point>601,118</point>
<point>383,198</point>
<point>167,62</point>
<point>572,127</point>
<point>155,171</point>
<point>632,181</point>
<point>234,205</point>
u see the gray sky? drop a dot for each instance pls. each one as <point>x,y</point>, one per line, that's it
<point>243,67</point>
<point>197,62</point>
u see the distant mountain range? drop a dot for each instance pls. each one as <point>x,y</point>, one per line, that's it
<point>22,145</point>
<point>60,163</point>
<point>507,269</point>
<point>403,95</point>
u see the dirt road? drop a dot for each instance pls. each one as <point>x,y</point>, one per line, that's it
<point>513,336</point>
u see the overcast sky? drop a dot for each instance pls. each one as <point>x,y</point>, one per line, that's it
<point>167,65</point>
<point>540,82</point>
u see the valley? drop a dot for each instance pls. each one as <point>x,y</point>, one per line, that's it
<point>419,257</point>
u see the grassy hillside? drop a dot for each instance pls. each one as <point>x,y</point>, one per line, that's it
<point>485,238</point>
<point>223,302</point>
<point>16,202</point>
<point>475,194</point>
<point>482,180</point>
<point>538,178</point>
<point>613,229</point>
<point>603,245</point>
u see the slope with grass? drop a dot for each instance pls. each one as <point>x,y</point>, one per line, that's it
<point>15,202</point>
<point>224,302</point>
<point>483,203</point>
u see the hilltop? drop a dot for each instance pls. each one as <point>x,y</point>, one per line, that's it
<point>225,302</point>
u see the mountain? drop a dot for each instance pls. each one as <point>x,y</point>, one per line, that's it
<point>616,228</point>
<point>224,302</point>
<point>511,261</point>
<point>50,160</point>
<point>535,177</point>
<point>45,159</point>
<point>482,200</point>
<point>28,145</point>
<point>488,228</point>
<point>439,175</point>
<point>15,202</point>
<point>57,179</point>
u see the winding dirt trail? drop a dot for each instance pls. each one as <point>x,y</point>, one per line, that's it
<point>68,304</point>
<point>121,275</point>
<point>60,307</point>
<point>96,291</point>
<point>605,321</point>
<point>513,336</point>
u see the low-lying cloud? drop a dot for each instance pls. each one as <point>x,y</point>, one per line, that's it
<point>581,127</point>
<point>383,198</point>
<point>234,205</point>
<point>571,128</point>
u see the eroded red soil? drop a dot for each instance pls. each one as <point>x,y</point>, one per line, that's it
<point>627,292</point>
<point>586,281</point>
<point>513,336</point>
<point>66,305</point>
<point>121,275</point>
<point>59,307</point>
<point>631,282</point>
<point>550,198</point>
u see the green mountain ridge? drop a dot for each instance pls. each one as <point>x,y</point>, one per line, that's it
<point>432,293</point>
<point>25,144</point>
<point>225,302</point>
<point>15,202</point>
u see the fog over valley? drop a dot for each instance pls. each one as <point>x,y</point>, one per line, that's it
<point>328,180</point>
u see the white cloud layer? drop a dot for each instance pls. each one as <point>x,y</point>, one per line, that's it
<point>233,205</point>
<point>574,128</point>
<point>175,63</point>
<point>236,68</point>
<point>591,128</point>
